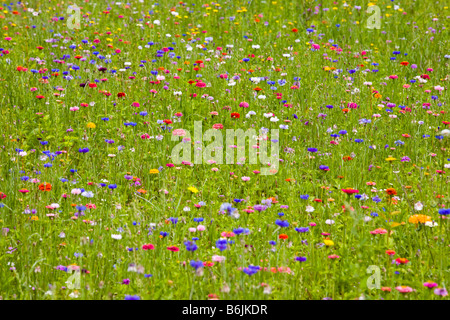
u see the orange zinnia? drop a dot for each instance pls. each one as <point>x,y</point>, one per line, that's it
<point>45,186</point>
<point>391,191</point>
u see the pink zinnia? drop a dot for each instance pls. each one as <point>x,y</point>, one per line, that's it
<point>404,289</point>
<point>430,284</point>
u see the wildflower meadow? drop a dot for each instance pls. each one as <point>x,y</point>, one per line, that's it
<point>262,150</point>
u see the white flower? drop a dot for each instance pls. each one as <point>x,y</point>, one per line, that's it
<point>116,236</point>
<point>186,209</point>
<point>431,224</point>
<point>329,221</point>
<point>274,119</point>
<point>445,133</point>
<point>255,46</point>
<point>88,194</point>
<point>309,209</point>
<point>157,22</point>
<point>418,206</point>
<point>367,219</point>
<point>262,97</point>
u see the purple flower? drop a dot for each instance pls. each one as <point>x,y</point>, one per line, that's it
<point>441,292</point>
<point>259,207</point>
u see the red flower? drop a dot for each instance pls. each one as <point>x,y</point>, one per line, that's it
<point>121,95</point>
<point>148,247</point>
<point>294,30</point>
<point>173,249</point>
<point>401,260</point>
<point>45,187</point>
<point>40,97</point>
<point>350,191</point>
<point>167,121</point>
<point>235,115</point>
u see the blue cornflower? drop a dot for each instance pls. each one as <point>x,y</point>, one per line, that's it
<point>282,223</point>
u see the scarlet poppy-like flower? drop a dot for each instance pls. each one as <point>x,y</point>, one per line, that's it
<point>347,158</point>
<point>208,264</point>
<point>167,121</point>
<point>213,296</point>
<point>121,95</point>
<point>401,261</point>
<point>391,191</point>
<point>283,236</point>
<point>404,63</point>
<point>235,115</point>
<point>390,252</point>
<point>40,97</point>
<point>45,187</point>
<point>2,195</point>
<point>173,249</point>
<point>294,30</point>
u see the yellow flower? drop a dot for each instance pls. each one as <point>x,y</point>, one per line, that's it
<point>193,189</point>
<point>154,171</point>
<point>90,125</point>
<point>328,243</point>
<point>419,218</point>
<point>390,159</point>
